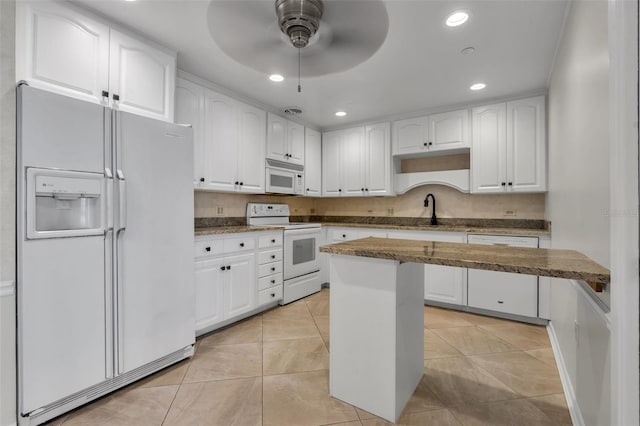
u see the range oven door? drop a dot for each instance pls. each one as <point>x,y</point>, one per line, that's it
<point>301,252</point>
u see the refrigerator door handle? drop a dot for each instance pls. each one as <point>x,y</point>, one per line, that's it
<point>109,193</point>
<point>122,192</point>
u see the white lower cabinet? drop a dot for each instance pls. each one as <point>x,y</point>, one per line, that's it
<point>234,275</point>
<point>443,284</point>
<point>239,284</point>
<point>515,294</point>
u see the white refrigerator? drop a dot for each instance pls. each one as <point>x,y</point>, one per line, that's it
<point>105,250</point>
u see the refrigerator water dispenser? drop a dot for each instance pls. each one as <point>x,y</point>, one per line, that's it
<point>64,203</point>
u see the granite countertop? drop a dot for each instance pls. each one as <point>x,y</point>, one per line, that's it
<point>445,228</point>
<point>213,230</point>
<point>556,263</point>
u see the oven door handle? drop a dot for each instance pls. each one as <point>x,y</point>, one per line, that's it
<point>303,231</point>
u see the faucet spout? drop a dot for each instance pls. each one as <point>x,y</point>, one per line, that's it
<point>434,219</point>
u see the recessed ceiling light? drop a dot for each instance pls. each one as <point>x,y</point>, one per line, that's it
<point>340,114</point>
<point>457,18</point>
<point>129,0</point>
<point>468,50</point>
<point>276,77</point>
<point>478,86</point>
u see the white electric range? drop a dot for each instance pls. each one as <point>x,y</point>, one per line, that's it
<point>301,249</point>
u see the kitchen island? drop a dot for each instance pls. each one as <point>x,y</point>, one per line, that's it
<point>377,302</point>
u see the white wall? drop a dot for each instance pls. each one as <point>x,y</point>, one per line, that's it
<point>7,209</point>
<point>578,199</point>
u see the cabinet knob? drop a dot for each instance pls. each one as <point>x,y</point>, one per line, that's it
<point>116,97</point>
<point>273,268</point>
<point>222,268</point>
<point>510,183</point>
<point>308,189</point>
<point>344,236</point>
<point>273,281</point>
<point>424,144</point>
<point>241,183</point>
<point>362,189</point>
<point>201,179</point>
<point>339,190</point>
<point>273,295</point>
<point>236,182</point>
<point>273,241</point>
<point>503,184</point>
<point>241,244</point>
<point>500,301</point>
<point>273,256</point>
<point>366,189</point>
<point>228,267</point>
<point>105,94</point>
<point>207,248</point>
<point>430,143</point>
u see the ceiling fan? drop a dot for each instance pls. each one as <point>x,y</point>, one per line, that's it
<point>325,36</point>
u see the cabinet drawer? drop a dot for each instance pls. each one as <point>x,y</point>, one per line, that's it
<point>269,281</point>
<point>269,269</point>
<point>269,256</point>
<point>269,295</point>
<point>239,244</point>
<point>208,248</point>
<point>343,235</point>
<point>267,241</point>
<point>503,292</point>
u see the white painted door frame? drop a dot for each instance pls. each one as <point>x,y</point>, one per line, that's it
<point>623,213</point>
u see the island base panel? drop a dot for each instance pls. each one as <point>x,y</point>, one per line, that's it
<point>377,334</point>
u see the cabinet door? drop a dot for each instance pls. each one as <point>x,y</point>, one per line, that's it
<point>62,51</point>
<point>276,138</point>
<point>526,145</point>
<point>241,285</point>
<point>410,136</point>
<point>352,160</point>
<point>295,137</point>
<point>190,110</point>
<point>444,284</point>
<point>142,76</point>
<point>209,293</point>
<point>378,156</point>
<point>221,136</point>
<point>331,154</point>
<point>251,142</point>
<point>449,130</point>
<point>312,163</point>
<point>488,150</point>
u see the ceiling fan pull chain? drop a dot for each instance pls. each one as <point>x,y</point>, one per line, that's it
<point>299,86</point>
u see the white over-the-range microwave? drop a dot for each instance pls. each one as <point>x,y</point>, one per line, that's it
<point>284,178</point>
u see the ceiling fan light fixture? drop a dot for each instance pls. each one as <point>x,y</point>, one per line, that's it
<point>299,20</point>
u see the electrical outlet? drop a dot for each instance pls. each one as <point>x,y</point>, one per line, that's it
<point>509,212</point>
<point>312,211</point>
<point>390,211</point>
<point>220,210</point>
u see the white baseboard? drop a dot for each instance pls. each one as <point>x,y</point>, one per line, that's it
<point>569,393</point>
<point>7,288</point>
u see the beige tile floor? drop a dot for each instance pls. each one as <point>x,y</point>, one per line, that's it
<point>272,369</point>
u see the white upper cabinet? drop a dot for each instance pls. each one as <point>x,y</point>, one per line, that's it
<point>526,145</point>
<point>356,162</point>
<point>312,163</point>
<point>449,130</point>
<point>63,49</point>
<point>229,139</point>
<point>141,78</point>
<point>509,147</point>
<point>437,132</point>
<point>488,154</point>
<point>331,164</point>
<point>251,144</point>
<point>378,159</point>
<point>285,140</point>
<point>189,110</point>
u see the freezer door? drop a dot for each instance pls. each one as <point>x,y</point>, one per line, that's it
<point>62,295</point>
<point>154,239</point>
